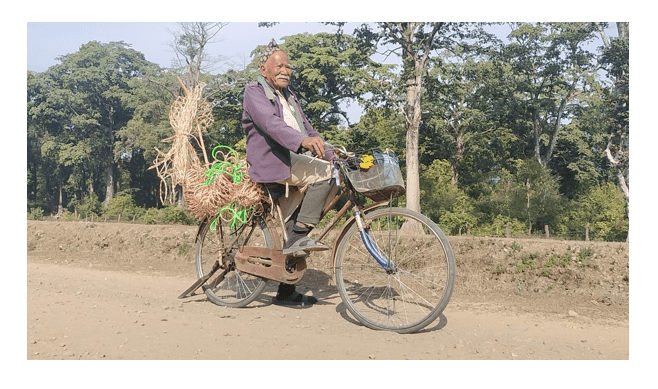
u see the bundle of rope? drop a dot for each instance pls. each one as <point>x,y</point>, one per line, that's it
<point>220,189</point>
<point>187,113</point>
<point>224,190</point>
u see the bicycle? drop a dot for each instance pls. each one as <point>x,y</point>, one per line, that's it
<point>393,267</point>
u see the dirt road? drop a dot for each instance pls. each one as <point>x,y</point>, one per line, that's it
<point>77,313</point>
<point>109,292</point>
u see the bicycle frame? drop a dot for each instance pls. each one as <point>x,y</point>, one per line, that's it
<point>357,211</point>
<point>290,270</point>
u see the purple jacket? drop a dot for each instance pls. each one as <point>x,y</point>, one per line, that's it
<point>269,139</point>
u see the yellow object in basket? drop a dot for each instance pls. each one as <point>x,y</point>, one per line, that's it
<point>366,162</point>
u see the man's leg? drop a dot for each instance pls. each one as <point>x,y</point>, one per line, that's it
<point>311,175</point>
<point>309,212</point>
<point>313,203</point>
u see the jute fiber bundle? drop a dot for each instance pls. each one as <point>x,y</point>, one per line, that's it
<point>208,188</point>
<point>224,188</point>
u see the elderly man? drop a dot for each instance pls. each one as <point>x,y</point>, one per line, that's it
<point>280,144</point>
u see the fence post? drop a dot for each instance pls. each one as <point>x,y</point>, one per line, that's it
<point>587,232</point>
<point>507,232</point>
<point>546,229</point>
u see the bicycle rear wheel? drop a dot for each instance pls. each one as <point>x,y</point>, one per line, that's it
<point>229,286</point>
<point>417,287</point>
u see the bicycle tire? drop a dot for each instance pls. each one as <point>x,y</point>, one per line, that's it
<point>237,289</point>
<point>408,297</point>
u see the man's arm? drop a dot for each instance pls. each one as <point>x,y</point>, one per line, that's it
<point>311,142</point>
<point>265,117</point>
<point>314,143</point>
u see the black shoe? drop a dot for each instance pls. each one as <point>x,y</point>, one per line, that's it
<point>295,298</point>
<point>287,295</point>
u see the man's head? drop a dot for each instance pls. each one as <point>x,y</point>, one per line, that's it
<point>274,66</point>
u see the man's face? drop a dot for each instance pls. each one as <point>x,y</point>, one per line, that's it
<point>277,70</point>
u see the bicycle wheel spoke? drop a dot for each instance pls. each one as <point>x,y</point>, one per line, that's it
<point>425,280</point>
<point>414,294</point>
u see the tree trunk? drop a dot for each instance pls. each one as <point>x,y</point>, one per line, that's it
<point>620,169</point>
<point>109,184</point>
<point>413,115</point>
<point>180,197</point>
<point>60,206</point>
<point>528,185</point>
<point>413,125</point>
<point>460,149</point>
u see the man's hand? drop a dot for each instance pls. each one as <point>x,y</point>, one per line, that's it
<point>314,143</point>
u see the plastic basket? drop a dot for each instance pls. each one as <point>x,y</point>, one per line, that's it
<point>382,181</point>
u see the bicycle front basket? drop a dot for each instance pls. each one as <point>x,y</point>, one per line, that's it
<point>382,181</point>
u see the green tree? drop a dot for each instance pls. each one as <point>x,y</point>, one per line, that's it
<point>151,96</point>
<point>463,87</point>
<point>35,130</point>
<point>415,41</point>
<point>379,128</point>
<point>603,207</point>
<point>579,160</point>
<point>228,93</point>
<point>86,100</point>
<point>444,203</point>
<point>549,68</point>
<point>536,197</point>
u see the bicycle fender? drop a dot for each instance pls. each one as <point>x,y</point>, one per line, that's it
<point>343,231</point>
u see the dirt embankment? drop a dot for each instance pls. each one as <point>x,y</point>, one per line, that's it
<point>589,274</point>
<point>566,288</point>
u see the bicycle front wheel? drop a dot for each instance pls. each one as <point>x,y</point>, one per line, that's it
<point>229,286</point>
<point>418,284</point>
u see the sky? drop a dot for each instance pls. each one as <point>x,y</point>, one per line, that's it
<point>48,40</point>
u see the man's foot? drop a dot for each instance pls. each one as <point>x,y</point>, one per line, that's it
<point>287,295</point>
<point>299,244</point>
<point>295,298</point>
<point>304,244</point>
